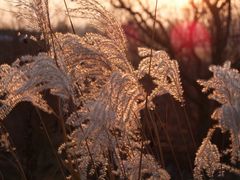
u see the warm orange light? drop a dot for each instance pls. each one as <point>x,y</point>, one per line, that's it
<point>178,3</point>
<point>174,9</point>
<point>172,3</point>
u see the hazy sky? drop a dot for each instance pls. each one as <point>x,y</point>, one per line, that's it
<point>8,19</point>
<point>166,8</point>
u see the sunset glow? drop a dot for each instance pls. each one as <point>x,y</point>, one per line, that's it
<point>174,3</point>
<point>174,8</point>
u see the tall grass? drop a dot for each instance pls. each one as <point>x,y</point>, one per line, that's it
<point>99,97</point>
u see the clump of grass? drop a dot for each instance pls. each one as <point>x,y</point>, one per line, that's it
<point>98,89</point>
<point>226,91</point>
<point>99,96</point>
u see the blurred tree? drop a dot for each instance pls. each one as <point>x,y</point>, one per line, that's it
<point>218,16</point>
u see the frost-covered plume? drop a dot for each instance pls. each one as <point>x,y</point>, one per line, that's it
<point>165,73</point>
<point>36,14</point>
<point>226,91</point>
<point>27,78</point>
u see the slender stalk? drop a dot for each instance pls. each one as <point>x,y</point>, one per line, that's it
<point>51,31</point>
<point>18,163</point>
<point>11,150</point>
<point>51,144</point>
<point>145,137</point>
<point>140,162</point>
<point>182,135</point>
<point>154,124</point>
<point>86,140</point>
<point>153,35</point>
<point>119,159</point>
<point>62,123</point>
<point>189,128</point>
<point>10,161</point>
<point>172,148</point>
<point>69,18</point>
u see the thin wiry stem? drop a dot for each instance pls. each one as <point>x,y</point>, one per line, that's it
<point>153,34</point>
<point>11,162</point>
<point>69,17</point>
<point>154,124</point>
<point>62,123</point>
<point>50,142</point>
<point>182,135</point>
<point>86,140</point>
<point>189,127</point>
<point>140,161</point>
<point>119,159</point>
<point>172,149</point>
<point>11,150</point>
